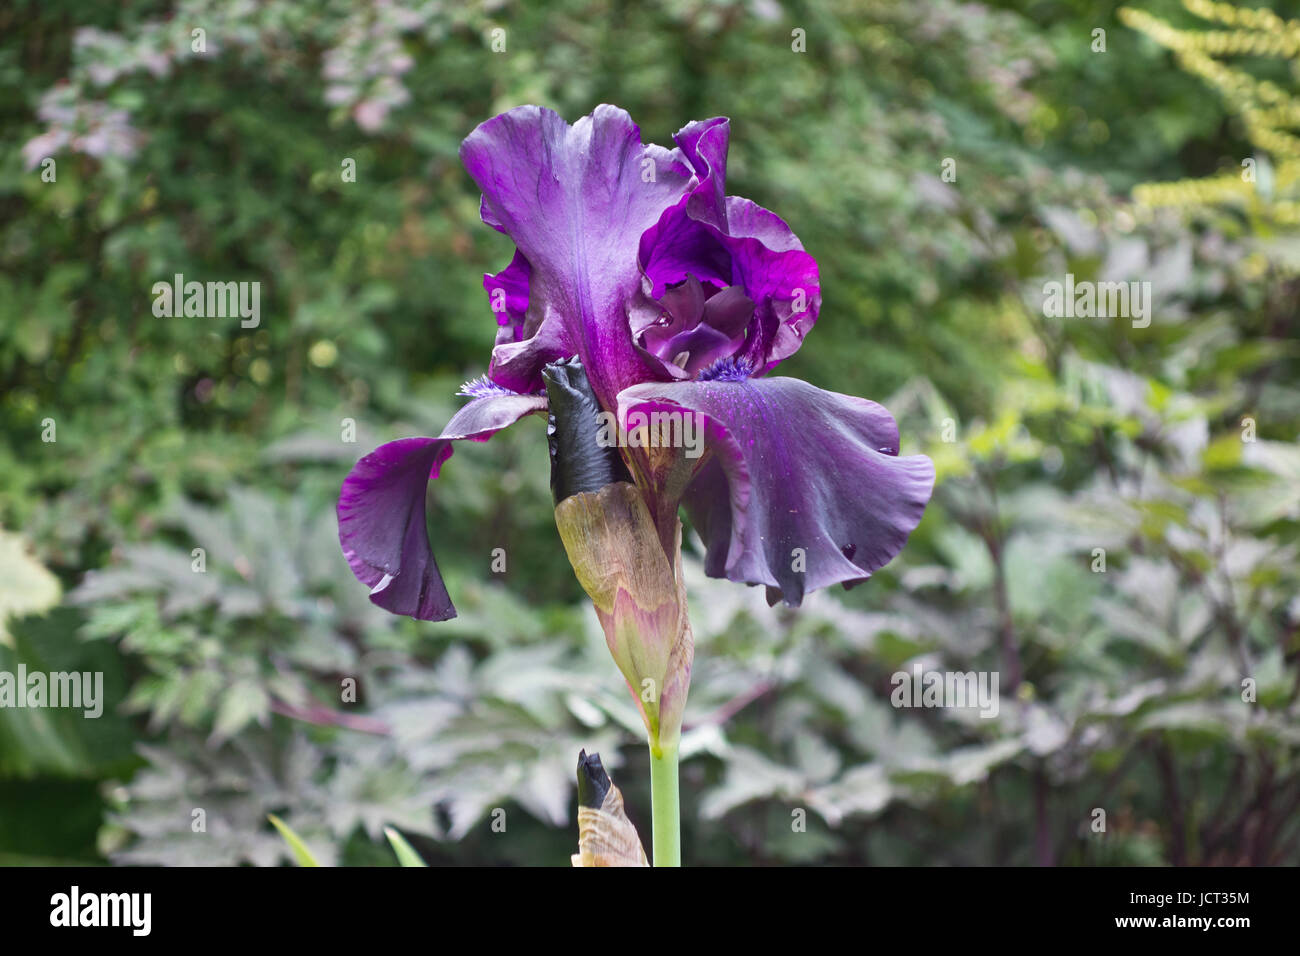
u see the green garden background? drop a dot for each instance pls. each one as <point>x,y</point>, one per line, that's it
<point>1114,529</point>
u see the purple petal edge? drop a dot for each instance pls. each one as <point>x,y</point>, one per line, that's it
<point>732,241</point>
<point>381,509</point>
<point>794,467</point>
<point>575,200</point>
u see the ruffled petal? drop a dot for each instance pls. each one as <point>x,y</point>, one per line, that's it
<point>575,200</point>
<point>805,488</point>
<point>730,241</point>
<point>769,263</point>
<point>704,143</point>
<point>508,295</point>
<point>677,246</point>
<point>381,509</point>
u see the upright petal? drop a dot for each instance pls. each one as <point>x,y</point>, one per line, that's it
<point>704,143</point>
<point>575,199</point>
<point>729,241</point>
<point>678,246</point>
<point>806,488</point>
<point>769,263</point>
<point>381,509</point>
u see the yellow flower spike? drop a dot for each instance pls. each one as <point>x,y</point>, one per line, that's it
<point>1269,112</point>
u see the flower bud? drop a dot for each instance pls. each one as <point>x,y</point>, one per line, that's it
<point>618,557</point>
<point>614,548</point>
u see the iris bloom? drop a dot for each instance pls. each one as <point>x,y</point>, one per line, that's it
<point>640,286</point>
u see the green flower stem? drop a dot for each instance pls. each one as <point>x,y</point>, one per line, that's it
<point>665,807</point>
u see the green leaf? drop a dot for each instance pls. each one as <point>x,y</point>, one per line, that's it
<point>300,851</point>
<point>406,854</point>
<point>242,703</point>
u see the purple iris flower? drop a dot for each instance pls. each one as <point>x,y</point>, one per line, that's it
<point>674,297</point>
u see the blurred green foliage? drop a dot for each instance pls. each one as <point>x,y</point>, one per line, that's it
<point>229,690</point>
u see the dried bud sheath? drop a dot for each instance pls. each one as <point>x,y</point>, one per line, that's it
<point>606,836</point>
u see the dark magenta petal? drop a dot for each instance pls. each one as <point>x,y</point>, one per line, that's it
<point>701,346</point>
<point>685,303</point>
<point>769,263</point>
<point>677,248</point>
<point>575,200</point>
<point>729,312</point>
<point>695,331</point>
<point>805,487</point>
<point>730,241</point>
<point>381,510</point>
<point>682,309</point>
<point>704,143</point>
<point>508,296</point>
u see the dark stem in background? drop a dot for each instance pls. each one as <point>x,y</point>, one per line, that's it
<point>994,539</point>
<point>1042,827</point>
<point>734,706</point>
<point>1259,850</point>
<point>1174,805</point>
<point>1070,828</point>
<point>323,716</point>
